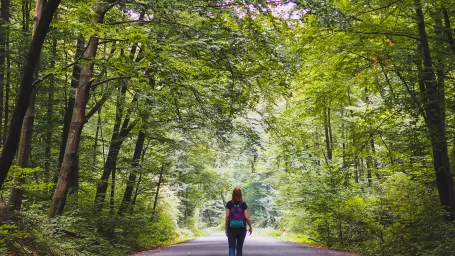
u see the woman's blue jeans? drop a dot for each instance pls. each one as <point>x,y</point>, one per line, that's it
<point>236,237</point>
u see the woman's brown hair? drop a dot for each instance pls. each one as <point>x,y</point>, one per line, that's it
<point>237,195</point>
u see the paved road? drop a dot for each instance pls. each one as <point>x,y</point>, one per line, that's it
<point>216,245</point>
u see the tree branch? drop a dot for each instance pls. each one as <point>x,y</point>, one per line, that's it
<point>108,80</point>
<point>67,66</point>
<point>415,37</point>
<point>51,74</point>
<point>98,105</point>
<point>130,21</point>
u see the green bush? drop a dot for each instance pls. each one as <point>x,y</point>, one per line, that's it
<point>82,233</point>
<point>401,216</point>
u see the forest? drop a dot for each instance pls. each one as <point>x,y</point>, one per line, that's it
<point>125,124</point>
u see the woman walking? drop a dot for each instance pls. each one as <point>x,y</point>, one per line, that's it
<point>236,216</point>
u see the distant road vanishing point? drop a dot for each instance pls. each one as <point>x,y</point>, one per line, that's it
<point>216,245</point>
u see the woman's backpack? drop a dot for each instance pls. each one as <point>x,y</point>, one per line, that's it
<point>236,216</point>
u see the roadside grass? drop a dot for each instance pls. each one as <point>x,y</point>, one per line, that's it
<point>185,235</point>
<point>288,236</point>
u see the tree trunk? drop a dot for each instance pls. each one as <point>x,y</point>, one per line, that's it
<point>7,92</point>
<point>25,145</point>
<point>450,39</point>
<point>70,105</point>
<point>439,63</point>
<point>50,115</point>
<point>118,136</point>
<point>112,199</point>
<point>369,169</point>
<point>329,122</point>
<point>328,133</point>
<point>448,30</point>
<point>50,111</point>
<point>26,8</point>
<point>73,185</point>
<point>115,136</point>
<point>356,170</point>
<point>95,146</point>
<point>110,165</point>
<point>132,177</point>
<point>136,192</point>
<point>4,27</point>
<point>24,153</point>
<point>435,119</point>
<point>26,88</point>
<point>345,168</point>
<point>317,160</point>
<point>222,199</point>
<point>361,169</point>
<point>155,203</point>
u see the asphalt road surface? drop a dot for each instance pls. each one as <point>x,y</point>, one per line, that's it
<point>216,245</point>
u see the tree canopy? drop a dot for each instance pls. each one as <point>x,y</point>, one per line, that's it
<point>126,124</point>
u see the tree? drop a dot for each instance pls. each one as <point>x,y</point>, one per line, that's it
<point>26,87</point>
<point>78,117</point>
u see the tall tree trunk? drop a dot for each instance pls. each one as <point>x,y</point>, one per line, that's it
<point>26,88</point>
<point>328,133</point>
<point>118,136</point>
<point>329,122</point>
<point>439,63</point>
<point>7,92</point>
<point>112,198</point>
<point>450,39</point>
<point>26,9</point>
<point>70,105</point>
<point>136,191</point>
<point>78,117</point>
<point>374,159</point>
<point>24,153</point>
<point>4,28</point>
<point>160,179</point>
<point>435,119</point>
<point>345,168</point>
<point>132,177</point>
<point>110,165</point>
<point>113,157</point>
<point>369,162</point>
<point>50,110</point>
<point>317,160</point>
<point>361,169</point>
<point>356,170</point>
<point>448,29</point>
<point>25,145</point>
<point>95,146</point>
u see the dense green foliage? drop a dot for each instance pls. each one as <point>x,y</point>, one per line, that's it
<point>334,117</point>
<point>350,152</point>
<point>180,73</point>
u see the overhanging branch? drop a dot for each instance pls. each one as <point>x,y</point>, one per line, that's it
<point>94,85</point>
